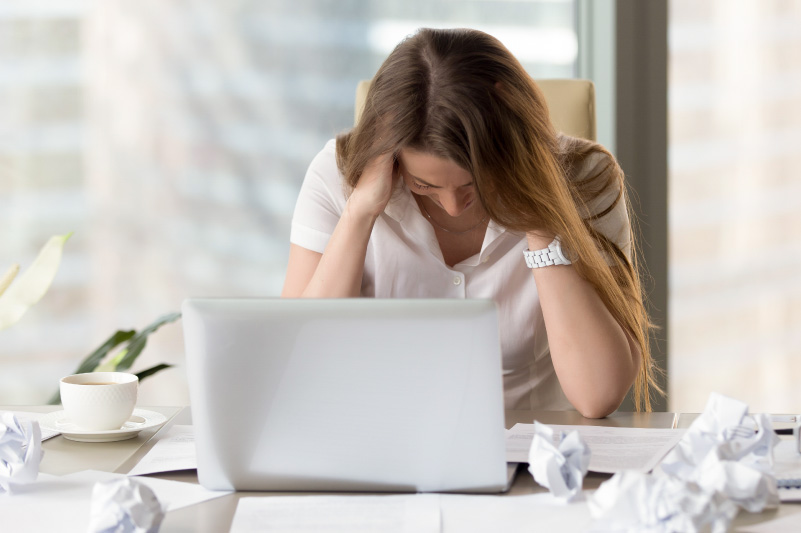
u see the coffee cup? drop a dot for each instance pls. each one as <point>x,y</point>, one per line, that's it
<point>99,401</point>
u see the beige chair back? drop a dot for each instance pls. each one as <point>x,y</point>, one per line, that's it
<point>571,104</point>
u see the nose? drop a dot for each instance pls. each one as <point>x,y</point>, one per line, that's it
<point>454,203</point>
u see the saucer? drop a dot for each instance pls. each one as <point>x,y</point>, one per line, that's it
<point>141,419</point>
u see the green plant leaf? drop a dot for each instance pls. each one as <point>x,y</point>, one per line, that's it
<point>32,284</point>
<point>92,361</point>
<point>152,370</point>
<point>55,399</point>
<point>138,342</point>
<point>111,364</point>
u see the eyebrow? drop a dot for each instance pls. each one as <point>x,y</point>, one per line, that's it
<point>424,182</point>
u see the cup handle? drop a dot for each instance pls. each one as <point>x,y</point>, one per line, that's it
<point>136,420</point>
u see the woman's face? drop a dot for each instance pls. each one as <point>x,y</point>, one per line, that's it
<point>443,182</point>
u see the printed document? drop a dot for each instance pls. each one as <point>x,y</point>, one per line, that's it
<point>787,465</point>
<point>174,451</point>
<point>613,449</point>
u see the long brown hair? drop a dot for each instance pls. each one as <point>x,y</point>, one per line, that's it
<point>461,95</point>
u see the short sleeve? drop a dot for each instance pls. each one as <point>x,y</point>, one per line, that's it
<point>320,203</point>
<point>615,224</point>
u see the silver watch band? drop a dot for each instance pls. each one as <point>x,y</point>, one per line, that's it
<point>552,255</point>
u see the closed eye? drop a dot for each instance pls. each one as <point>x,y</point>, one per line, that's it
<point>423,186</point>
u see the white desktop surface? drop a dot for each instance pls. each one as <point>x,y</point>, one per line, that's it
<point>63,456</point>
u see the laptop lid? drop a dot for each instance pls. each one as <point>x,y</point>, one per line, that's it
<point>346,394</point>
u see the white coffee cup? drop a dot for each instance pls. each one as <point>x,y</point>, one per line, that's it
<point>99,400</point>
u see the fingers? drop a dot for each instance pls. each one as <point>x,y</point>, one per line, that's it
<point>375,185</point>
<point>383,165</point>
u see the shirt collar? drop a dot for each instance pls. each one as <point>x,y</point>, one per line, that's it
<point>402,208</point>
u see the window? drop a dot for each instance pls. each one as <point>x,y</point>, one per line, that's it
<point>735,203</point>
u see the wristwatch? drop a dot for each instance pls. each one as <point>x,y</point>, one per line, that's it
<point>552,255</point>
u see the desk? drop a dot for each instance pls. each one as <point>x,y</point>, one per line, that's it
<point>63,456</point>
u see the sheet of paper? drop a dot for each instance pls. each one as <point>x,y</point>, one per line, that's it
<point>414,513</point>
<point>66,501</point>
<point>174,451</point>
<point>785,524</point>
<point>532,512</point>
<point>786,459</point>
<point>790,495</point>
<point>785,422</point>
<point>46,433</point>
<point>787,464</point>
<point>613,449</point>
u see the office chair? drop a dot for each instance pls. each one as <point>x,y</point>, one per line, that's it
<point>571,104</point>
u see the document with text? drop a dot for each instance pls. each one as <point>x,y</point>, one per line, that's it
<point>175,451</point>
<point>787,466</point>
<point>613,449</point>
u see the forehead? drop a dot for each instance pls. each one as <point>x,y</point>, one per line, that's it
<point>433,169</point>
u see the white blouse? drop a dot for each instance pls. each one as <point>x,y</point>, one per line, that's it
<point>404,261</point>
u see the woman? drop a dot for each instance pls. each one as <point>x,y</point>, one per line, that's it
<point>452,172</point>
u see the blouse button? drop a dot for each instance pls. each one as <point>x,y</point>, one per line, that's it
<point>457,280</point>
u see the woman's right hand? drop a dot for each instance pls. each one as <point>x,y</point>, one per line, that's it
<point>338,271</point>
<point>374,189</point>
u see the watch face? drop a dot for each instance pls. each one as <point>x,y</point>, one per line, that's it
<point>563,252</point>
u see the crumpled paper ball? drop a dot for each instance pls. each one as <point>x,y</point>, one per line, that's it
<point>721,464</point>
<point>124,506</point>
<point>560,468</point>
<point>727,450</point>
<point>749,487</point>
<point>20,451</point>
<point>724,427</point>
<point>634,501</point>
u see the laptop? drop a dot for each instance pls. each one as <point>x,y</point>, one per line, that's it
<point>378,395</point>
